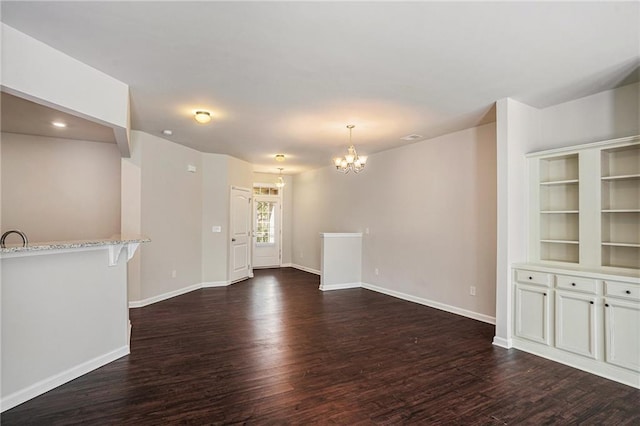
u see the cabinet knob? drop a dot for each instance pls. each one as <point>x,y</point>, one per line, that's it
<point>628,291</point>
<point>530,278</point>
<point>591,301</point>
<point>573,284</point>
<point>606,305</point>
<point>544,294</point>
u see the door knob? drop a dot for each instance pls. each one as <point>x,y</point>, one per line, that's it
<point>233,239</point>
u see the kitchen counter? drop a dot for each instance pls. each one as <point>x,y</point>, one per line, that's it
<point>114,244</point>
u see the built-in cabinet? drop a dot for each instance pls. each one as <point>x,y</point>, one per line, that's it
<point>585,205</point>
<point>581,318</point>
<point>577,299</point>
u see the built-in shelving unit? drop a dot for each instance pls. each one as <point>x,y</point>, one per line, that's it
<point>577,299</point>
<point>559,208</point>
<point>585,206</point>
<point>620,195</point>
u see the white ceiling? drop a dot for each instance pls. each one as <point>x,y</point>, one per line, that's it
<point>288,77</point>
<point>22,116</point>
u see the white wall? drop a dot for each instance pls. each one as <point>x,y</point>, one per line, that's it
<point>605,115</point>
<point>518,131</point>
<point>431,211</point>
<point>287,211</point>
<point>35,71</point>
<point>60,189</point>
<point>215,212</point>
<point>171,215</point>
<point>177,210</point>
<point>63,315</point>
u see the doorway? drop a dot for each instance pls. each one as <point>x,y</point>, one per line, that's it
<point>267,221</point>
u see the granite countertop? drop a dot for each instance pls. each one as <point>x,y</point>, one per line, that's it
<point>61,245</point>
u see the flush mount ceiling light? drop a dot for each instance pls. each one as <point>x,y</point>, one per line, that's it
<point>280,182</point>
<point>167,132</point>
<point>280,157</point>
<point>351,161</point>
<point>203,117</point>
<point>59,124</point>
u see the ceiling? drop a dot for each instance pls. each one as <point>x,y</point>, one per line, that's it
<point>22,116</point>
<point>287,77</point>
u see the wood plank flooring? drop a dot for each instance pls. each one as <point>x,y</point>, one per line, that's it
<point>276,350</point>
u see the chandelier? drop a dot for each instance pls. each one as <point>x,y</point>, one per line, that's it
<point>280,182</point>
<point>351,161</point>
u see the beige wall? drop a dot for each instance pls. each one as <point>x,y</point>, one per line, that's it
<point>215,212</point>
<point>431,211</point>
<point>171,215</point>
<point>60,189</point>
<point>177,210</point>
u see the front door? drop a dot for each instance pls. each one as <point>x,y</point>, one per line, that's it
<point>266,222</point>
<point>240,234</point>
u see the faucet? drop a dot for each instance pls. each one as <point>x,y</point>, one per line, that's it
<point>25,241</point>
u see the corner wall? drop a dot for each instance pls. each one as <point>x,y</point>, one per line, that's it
<point>430,208</point>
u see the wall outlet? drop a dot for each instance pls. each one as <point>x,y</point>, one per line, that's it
<point>301,255</point>
<point>376,271</point>
<point>472,290</point>
<point>174,273</point>
<point>366,231</point>
<point>216,229</point>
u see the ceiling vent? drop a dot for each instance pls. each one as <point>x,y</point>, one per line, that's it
<point>410,138</point>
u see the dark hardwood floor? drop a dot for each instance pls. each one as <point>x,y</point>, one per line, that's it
<point>276,350</point>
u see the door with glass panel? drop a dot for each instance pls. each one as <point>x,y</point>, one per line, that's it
<point>266,231</point>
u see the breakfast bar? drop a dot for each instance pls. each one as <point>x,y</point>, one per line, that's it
<point>64,312</point>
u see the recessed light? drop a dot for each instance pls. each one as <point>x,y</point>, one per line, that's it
<point>413,137</point>
<point>167,132</point>
<point>59,124</point>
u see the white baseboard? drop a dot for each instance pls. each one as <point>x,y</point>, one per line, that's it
<point>597,367</point>
<point>431,303</point>
<point>164,296</point>
<point>503,343</point>
<point>215,284</point>
<point>286,265</point>
<point>305,269</point>
<point>52,382</point>
<point>342,286</point>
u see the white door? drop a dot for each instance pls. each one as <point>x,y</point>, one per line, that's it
<point>240,234</point>
<point>266,222</point>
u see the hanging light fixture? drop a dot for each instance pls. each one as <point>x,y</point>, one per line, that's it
<point>280,182</point>
<point>351,161</point>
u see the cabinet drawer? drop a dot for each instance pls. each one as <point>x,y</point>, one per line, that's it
<point>622,290</point>
<point>531,277</point>
<point>584,285</point>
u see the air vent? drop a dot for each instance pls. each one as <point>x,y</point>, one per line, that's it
<point>413,137</point>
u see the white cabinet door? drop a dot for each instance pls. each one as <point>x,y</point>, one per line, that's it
<point>576,320</point>
<point>622,333</point>
<point>532,313</point>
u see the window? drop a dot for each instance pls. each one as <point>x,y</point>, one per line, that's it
<point>265,222</point>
